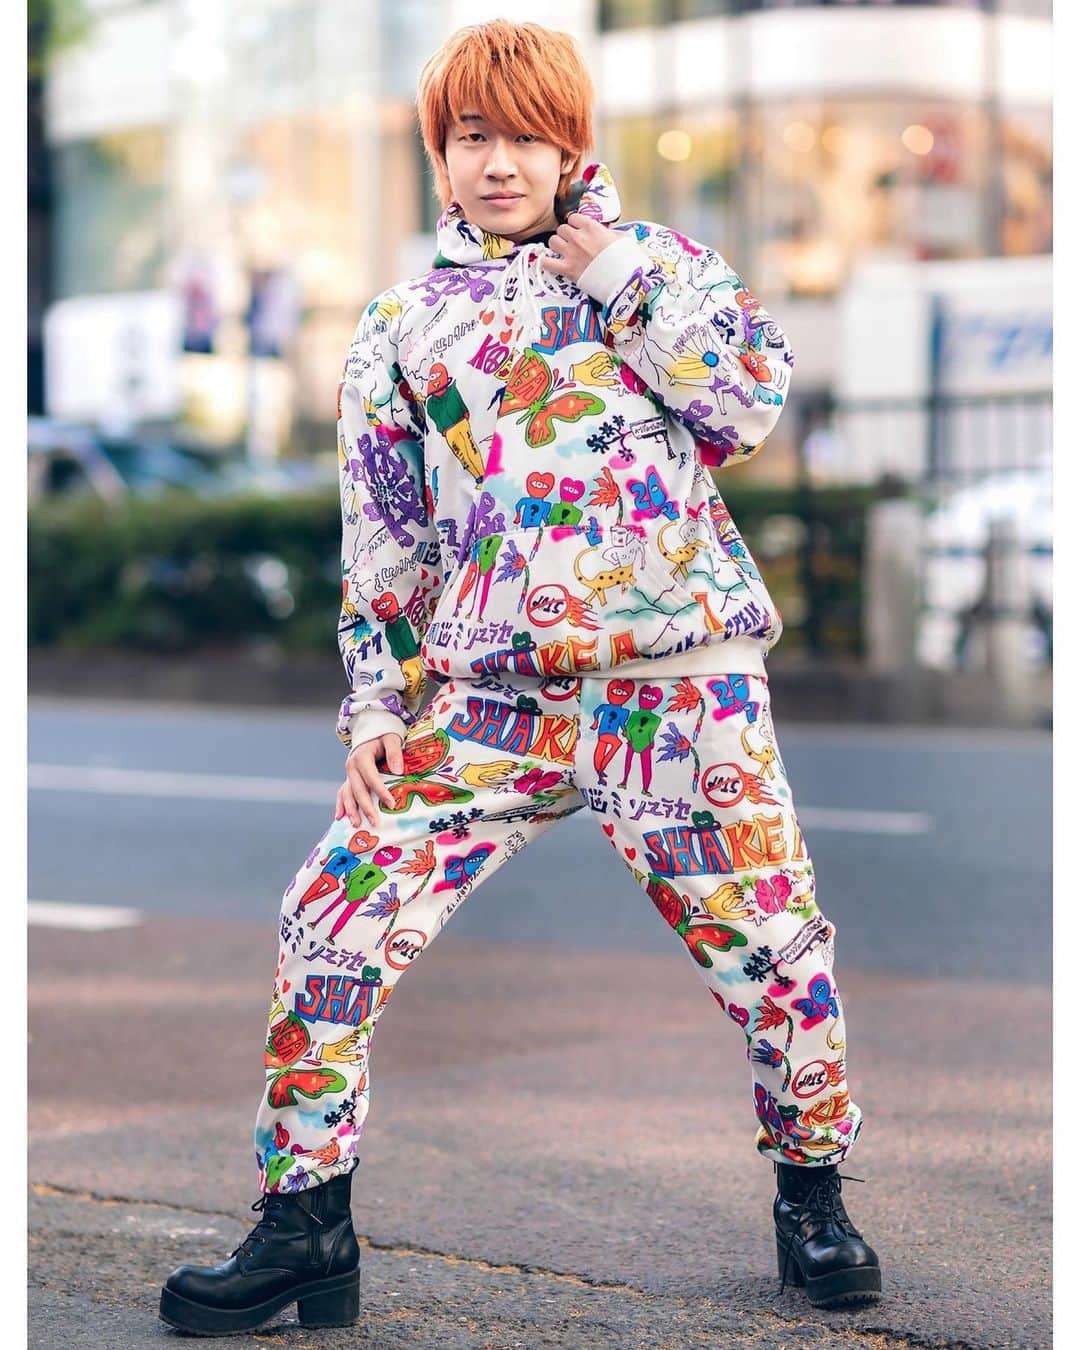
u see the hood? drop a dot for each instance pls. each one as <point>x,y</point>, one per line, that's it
<point>461,243</point>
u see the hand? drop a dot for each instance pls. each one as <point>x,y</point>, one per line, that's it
<point>363,781</point>
<point>577,243</point>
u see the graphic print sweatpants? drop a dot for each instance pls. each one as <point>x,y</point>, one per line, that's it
<point>688,786</point>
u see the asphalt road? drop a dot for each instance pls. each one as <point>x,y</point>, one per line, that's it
<point>932,848</point>
<point>559,1148</point>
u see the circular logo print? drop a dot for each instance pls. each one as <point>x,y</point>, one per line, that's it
<point>723,784</point>
<point>547,604</point>
<point>403,946</point>
<point>810,1079</point>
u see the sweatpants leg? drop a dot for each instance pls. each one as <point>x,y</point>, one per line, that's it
<point>702,815</point>
<point>487,768</point>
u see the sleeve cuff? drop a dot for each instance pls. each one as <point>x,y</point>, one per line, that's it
<point>618,277</point>
<point>368,723</point>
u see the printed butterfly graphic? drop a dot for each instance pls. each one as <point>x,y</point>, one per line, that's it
<point>534,390</point>
<point>651,497</point>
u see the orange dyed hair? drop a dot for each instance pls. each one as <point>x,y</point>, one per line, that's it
<point>520,77</point>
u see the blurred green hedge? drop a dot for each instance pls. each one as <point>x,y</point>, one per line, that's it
<point>177,573</point>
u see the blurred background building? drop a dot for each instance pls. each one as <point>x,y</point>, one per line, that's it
<point>218,187</point>
<point>227,182</point>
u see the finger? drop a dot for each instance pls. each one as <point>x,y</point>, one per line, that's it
<point>339,806</point>
<point>359,768</point>
<point>363,799</point>
<point>348,801</point>
<point>378,787</point>
<point>394,757</point>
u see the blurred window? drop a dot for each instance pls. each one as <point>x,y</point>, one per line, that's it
<point>808,189</point>
<point>1027,171</point>
<point>109,216</point>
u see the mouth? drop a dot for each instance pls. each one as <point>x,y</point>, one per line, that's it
<point>505,197</point>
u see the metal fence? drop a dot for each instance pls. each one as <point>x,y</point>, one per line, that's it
<point>977,451</point>
<point>935,443</point>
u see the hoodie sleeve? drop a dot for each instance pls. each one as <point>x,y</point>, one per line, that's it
<point>390,575</point>
<point>684,322</point>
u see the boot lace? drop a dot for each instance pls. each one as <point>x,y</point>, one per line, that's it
<point>270,1202</point>
<point>823,1201</point>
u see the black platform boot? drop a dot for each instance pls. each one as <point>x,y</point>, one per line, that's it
<point>303,1250</point>
<point>816,1242</point>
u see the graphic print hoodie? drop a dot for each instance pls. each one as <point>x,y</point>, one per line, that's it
<point>523,466</point>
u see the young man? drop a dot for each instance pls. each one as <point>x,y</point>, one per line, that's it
<point>531,535</point>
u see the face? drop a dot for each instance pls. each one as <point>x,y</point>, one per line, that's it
<point>483,160</point>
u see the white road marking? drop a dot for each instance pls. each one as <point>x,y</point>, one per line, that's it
<point>51,914</point>
<point>154,783</point>
<point>863,822</point>
<point>307,791</point>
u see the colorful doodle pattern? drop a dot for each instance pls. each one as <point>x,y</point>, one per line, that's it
<point>688,786</point>
<point>523,466</point>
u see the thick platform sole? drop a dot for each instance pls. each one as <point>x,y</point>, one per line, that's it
<point>333,1302</point>
<point>834,1289</point>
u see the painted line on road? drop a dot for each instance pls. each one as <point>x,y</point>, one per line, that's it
<point>91,918</point>
<point>152,783</point>
<point>864,822</point>
<point>305,791</point>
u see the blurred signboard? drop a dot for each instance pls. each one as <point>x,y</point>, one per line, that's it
<point>112,359</point>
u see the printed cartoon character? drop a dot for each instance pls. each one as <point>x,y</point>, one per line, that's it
<point>690,532</point>
<point>336,866</point>
<point>820,1002</point>
<point>449,413</point>
<point>732,693</point>
<point>458,870</point>
<point>478,573</point>
<point>403,644</point>
<point>358,886</point>
<point>564,512</point>
<point>532,510</point>
<point>626,552</point>
<point>640,732</point>
<point>609,720</point>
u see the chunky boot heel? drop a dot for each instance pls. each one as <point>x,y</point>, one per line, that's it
<point>817,1246</point>
<point>793,1274</point>
<point>336,1308</point>
<point>303,1250</point>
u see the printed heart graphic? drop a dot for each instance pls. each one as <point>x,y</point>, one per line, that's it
<point>445,663</point>
<point>286,986</point>
<point>505,336</point>
<point>739,1015</point>
<point>572,488</point>
<point>541,480</point>
<point>486,315</point>
<point>609,830</point>
<point>631,853</point>
<point>423,574</point>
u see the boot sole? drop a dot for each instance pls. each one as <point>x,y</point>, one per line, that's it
<point>333,1302</point>
<point>835,1289</point>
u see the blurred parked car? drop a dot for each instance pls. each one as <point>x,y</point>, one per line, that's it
<point>954,564</point>
<point>66,459</point>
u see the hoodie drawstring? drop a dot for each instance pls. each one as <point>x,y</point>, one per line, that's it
<point>532,281</point>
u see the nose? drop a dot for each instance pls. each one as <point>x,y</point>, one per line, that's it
<point>500,161</point>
